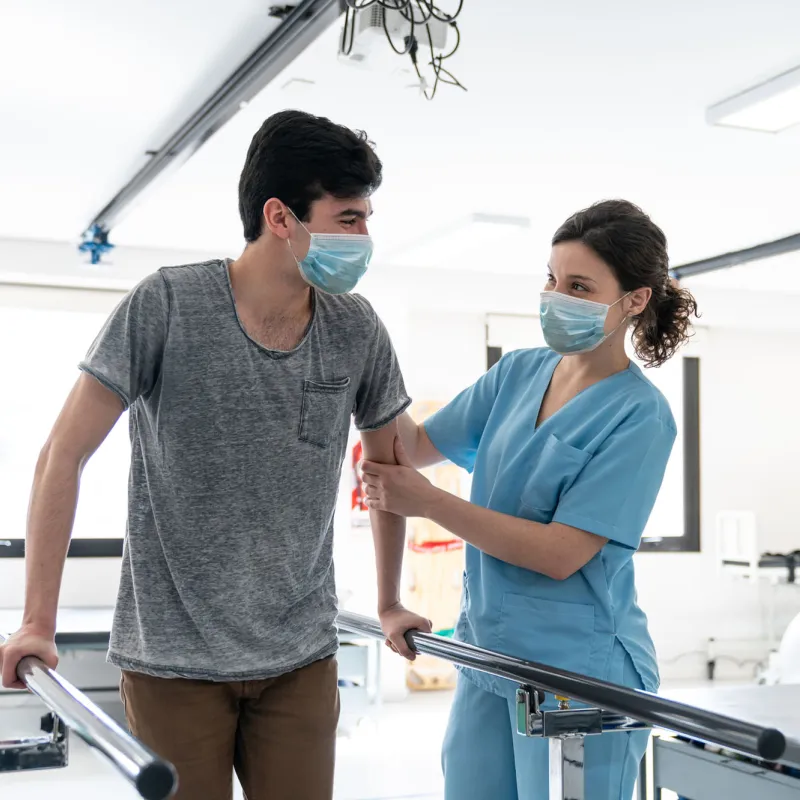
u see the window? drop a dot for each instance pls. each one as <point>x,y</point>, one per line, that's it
<point>38,362</point>
<point>675,522</point>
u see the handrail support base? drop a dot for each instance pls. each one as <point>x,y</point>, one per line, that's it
<point>38,752</point>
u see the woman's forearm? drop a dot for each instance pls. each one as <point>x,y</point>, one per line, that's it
<point>554,550</point>
<point>419,448</point>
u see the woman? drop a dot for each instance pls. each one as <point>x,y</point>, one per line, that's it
<point>568,446</point>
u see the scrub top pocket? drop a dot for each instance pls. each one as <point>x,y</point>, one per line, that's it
<point>323,410</point>
<point>553,473</point>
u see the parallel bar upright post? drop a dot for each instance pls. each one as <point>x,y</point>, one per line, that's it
<point>567,779</point>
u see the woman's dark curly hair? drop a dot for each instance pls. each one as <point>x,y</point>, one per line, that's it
<point>635,248</point>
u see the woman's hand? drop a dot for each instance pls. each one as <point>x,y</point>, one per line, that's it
<point>398,489</point>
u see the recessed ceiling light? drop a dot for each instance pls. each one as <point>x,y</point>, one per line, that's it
<point>770,107</point>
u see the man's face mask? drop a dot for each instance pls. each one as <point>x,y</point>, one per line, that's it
<point>335,262</point>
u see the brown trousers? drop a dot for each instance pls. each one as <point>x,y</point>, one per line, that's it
<point>279,735</point>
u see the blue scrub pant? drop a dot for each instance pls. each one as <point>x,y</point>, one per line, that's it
<point>484,758</point>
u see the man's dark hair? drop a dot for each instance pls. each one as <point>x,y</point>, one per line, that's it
<point>299,158</point>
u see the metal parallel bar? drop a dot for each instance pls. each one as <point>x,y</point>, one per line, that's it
<point>789,244</point>
<point>293,35</point>
<point>154,778</point>
<point>754,740</point>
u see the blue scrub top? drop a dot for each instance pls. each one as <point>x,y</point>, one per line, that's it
<point>597,464</point>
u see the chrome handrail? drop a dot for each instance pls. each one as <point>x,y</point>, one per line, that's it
<point>153,777</point>
<point>769,744</point>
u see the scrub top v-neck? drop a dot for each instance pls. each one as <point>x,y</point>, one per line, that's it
<point>597,464</point>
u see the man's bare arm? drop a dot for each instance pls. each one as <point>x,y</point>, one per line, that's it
<point>389,536</point>
<point>90,412</point>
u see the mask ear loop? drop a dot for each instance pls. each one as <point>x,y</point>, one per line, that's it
<point>625,321</point>
<point>289,241</point>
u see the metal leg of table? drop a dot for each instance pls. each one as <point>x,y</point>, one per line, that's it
<point>641,782</point>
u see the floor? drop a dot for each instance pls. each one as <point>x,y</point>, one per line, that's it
<point>389,755</point>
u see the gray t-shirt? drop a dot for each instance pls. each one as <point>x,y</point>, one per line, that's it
<point>227,570</point>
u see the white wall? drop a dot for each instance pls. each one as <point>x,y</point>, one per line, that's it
<point>750,432</point>
<point>750,440</point>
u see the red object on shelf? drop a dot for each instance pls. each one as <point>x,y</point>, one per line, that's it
<point>436,547</point>
<point>358,500</point>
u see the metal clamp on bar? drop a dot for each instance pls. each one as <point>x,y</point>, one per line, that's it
<point>566,728</point>
<point>154,778</point>
<point>566,721</point>
<point>38,752</point>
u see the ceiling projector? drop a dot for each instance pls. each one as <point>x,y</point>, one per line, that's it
<point>364,39</point>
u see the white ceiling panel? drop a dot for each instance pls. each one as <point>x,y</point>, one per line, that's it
<point>568,103</point>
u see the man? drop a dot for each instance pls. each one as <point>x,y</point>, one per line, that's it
<point>240,378</point>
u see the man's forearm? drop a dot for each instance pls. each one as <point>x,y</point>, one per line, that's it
<point>409,434</point>
<point>50,518</point>
<point>388,530</point>
<point>389,536</point>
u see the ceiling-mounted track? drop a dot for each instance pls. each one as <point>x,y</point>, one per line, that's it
<point>300,25</point>
<point>759,252</point>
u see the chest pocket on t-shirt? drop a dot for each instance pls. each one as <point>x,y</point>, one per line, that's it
<point>323,414</point>
<point>554,472</point>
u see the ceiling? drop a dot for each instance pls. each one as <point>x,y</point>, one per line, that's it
<point>568,103</point>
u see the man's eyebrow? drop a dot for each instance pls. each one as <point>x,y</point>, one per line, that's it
<point>355,212</point>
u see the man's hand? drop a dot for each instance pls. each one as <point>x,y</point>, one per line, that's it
<point>398,489</point>
<point>396,622</point>
<point>25,642</point>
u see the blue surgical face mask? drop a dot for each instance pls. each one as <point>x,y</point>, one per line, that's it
<point>335,262</point>
<point>572,325</point>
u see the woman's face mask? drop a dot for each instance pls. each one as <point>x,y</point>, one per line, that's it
<point>335,262</point>
<point>571,325</point>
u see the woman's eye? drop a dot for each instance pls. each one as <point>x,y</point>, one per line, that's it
<point>579,287</point>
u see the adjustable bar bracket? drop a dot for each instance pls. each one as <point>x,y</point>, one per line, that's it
<point>566,728</point>
<point>39,752</point>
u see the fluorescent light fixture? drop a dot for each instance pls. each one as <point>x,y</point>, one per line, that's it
<point>770,107</point>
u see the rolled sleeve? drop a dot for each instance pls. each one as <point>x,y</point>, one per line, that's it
<point>457,429</point>
<point>382,395</point>
<point>127,353</point>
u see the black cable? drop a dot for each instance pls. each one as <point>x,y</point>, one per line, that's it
<point>454,27</point>
<point>438,69</point>
<point>423,20</point>
<point>445,17</point>
<point>349,20</point>
<point>408,40</point>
